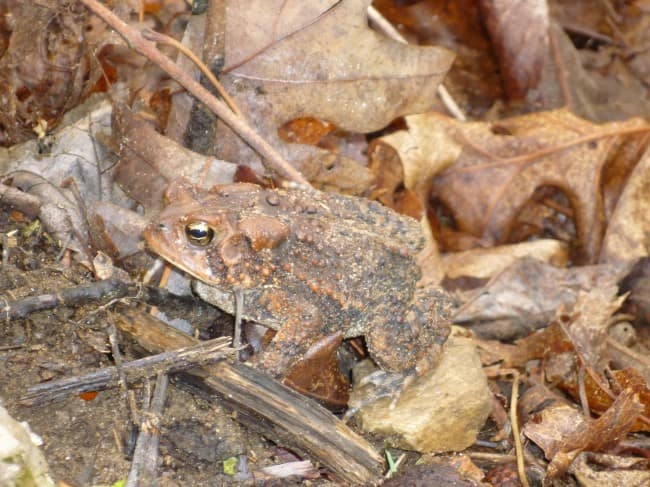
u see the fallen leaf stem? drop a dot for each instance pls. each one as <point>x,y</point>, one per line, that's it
<point>272,159</point>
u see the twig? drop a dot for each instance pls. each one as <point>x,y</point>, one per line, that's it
<point>622,38</point>
<point>585,31</point>
<point>611,11</point>
<point>107,290</point>
<point>387,28</point>
<point>582,391</point>
<point>272,159</point>
<point>24,202</point>
<point>129,396</point>
<point>492,457</point>
<point>641,358</point>
<point>168,362</point>
<point>559,62</point>
<point>158,37</point>
<point>5,250</point>
<point>239,311</point>
<point>521,469</point>
<point>599,381</point>
<point>450,104</point>
<point>514,421</point>
<point>143,467</point>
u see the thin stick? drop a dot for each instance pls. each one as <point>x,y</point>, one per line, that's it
<point>492,457</point>
<point>272,159</point>
<point>582,392</point>
<point>144,465</point>
<point>390,31</point>
<point>108,290</point>
<point>515,430</point>
<point>168,362</point>
<point>121,375</point>
<point>158,37</point>
<point>641,358</point>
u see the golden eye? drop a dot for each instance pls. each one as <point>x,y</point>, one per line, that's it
<point>199,233</point>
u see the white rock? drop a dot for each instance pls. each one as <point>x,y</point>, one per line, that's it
<point>442,411</point>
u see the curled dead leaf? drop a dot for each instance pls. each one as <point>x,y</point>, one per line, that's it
<point>562,432</point>
<point>519,34</point>
<point>503,164</point>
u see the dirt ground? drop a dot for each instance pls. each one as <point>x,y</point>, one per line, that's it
<point>86,442</point>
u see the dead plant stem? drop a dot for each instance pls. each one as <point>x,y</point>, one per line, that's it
<point>272,159</point>
<point>158,37</point>
<point>515,430</point>
<point>389,30</point>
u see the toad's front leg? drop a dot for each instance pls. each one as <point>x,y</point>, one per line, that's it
<point>301,327</point>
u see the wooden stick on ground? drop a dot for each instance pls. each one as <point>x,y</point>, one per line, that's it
<point>144,465</point>
<point>168,362</point>
<point>263,404</point>
<point>100,291</point>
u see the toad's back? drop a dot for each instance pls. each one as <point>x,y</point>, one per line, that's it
<point>314,261</point>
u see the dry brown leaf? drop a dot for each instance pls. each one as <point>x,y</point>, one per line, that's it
<point>600,394</point>
<point>425,149</point>
<point>306,130</point>
<point>628,232</point>
<point>581,339</point>
<point>318,375</point>
<point>603,80</point>
<point>323,61</point>
<point>504,163</point>
<point>528,294</point>
<point>474,81</point>
<point>115,230</point>
<point>562,432</point>
<point>519,34</point>
<point>588,328</point>
<point>44,70</point>
<point>59,210</point>
<point>598,469</point>
<point>632,379</point>
<point>485,263</point>
<point>637,284</point>
<point>327,63</point>
<point>280,20</point>
<point>150,161</point>
<point>549,341</point>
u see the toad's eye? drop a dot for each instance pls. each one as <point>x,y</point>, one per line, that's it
<point>199,233</point>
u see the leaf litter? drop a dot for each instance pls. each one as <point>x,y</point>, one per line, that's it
<point>537,208</point>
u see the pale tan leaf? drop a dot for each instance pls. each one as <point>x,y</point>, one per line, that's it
<point>628,232</point>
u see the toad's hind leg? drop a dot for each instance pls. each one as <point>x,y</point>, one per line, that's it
<point>405,347</point>
<point>412,341</point>
<point>302,327</point>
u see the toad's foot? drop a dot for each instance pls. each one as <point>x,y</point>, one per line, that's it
<point>378,385</point>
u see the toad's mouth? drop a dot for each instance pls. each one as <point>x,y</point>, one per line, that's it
<point>157,240</point>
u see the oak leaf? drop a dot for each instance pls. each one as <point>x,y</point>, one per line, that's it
<point>503,164</point>
<point>320,59</point>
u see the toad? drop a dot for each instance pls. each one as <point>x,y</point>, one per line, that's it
<point>308,265</point>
